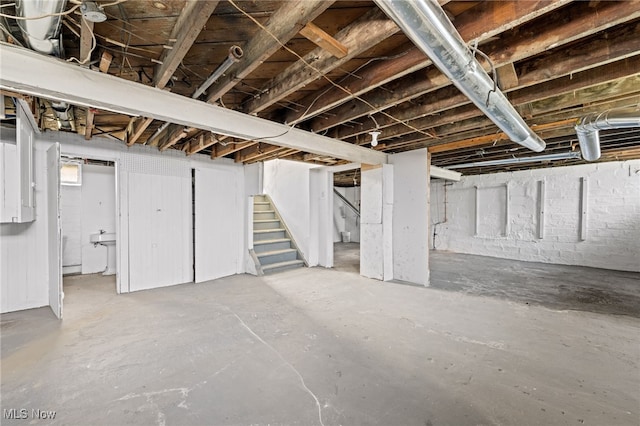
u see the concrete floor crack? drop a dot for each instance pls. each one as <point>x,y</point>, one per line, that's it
<point>304,385</point>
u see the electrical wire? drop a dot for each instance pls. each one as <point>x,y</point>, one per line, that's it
<point>322,75</point>
<point>94,44</point>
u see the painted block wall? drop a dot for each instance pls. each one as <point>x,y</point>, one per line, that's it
<point>23,247</point>
<point>509,207</point>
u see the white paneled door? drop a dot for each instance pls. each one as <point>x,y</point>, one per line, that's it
<point>54,245</point>
<point>218,224</point>
<point>160,231</point>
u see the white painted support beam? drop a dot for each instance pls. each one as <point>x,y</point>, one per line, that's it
<point>476,219</point>
<point>25,71</point>
<point>343,167</point>
<point>446,174</point>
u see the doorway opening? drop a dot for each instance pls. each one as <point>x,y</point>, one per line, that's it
<point>346,221</point>
<point>88,219</point>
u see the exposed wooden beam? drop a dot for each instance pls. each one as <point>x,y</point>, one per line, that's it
<point>452,146</point>
<point>220,150</point>
<point>139,130</point>
<point>255,151</point>
<point>88,128</point>
<point>443,100</point>
<point>86,39</point>
<point>191,21</point>
<point>200,142</point>
<point>531,40</point>
<point>321,39</point>
<point>172,138</point>
<point>285,23</point>
<point>611,46</point>
<point>507,76</point>
<point>105,61</point>
<point>361,35</point>
<point>489,19</point>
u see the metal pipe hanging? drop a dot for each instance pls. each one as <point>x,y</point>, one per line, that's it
<point>588,128</point>
<point>235,54</point>
<point>427,25</point>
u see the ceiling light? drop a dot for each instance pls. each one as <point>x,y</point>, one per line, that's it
<point>374,138</point>
<point>92,12</point>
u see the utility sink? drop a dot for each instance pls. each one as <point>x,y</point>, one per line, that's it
<point>106,238</point>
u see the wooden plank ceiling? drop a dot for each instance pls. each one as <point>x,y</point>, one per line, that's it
<point>344,69</point>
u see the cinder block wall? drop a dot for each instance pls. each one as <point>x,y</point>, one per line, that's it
<point>536,215</point>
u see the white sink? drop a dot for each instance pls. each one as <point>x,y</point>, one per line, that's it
<point>107,238</point>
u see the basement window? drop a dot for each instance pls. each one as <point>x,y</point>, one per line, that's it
<point>71,173</point>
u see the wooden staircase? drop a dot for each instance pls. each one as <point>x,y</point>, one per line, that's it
<point>274,248</point>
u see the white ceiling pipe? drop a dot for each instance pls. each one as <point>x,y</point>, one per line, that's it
<point>41,34</point>
<point>427,25</point>
<point>517,160</point>
<point>25,71</point>
<point>588,128</point>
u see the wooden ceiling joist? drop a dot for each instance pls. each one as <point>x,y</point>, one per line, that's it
<point>552,32</point>
<point>613,46</point>
<point>358,37</point>
<point>192,19</point>
<point>320,38</point>
<point>285,23</point>
<point>483,26</point>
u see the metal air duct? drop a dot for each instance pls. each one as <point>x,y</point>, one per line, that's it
<point>588,128</point>
<point>41,34</point>
<point>427,25</point>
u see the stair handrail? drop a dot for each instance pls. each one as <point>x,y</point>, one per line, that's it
<point>347,202</point>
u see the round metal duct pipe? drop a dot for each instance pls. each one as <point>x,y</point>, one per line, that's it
<point>588,128</point>
<point>427,25</point>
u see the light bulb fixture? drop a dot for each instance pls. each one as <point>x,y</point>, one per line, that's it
<point>374,138</point>
<point>92,12</point>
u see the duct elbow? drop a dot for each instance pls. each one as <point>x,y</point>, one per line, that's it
<point>589,143</point>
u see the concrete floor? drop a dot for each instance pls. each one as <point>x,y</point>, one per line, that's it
<point>316,346</point>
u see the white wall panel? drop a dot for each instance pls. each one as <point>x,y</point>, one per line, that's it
<point>23,253</point>
<point>287,183</point>
<point>219,218</point>
<point>54,240</point>
<point>159,231</point>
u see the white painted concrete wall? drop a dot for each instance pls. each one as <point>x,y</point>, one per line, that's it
<point>85,210</point>
<point>345,220</point>
<point>98,212</point>
<point>23,247</point>
<point>509,206</point>
<point>71,223</point>
<point>287,183</point>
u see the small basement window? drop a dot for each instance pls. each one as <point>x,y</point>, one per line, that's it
<point>71,173</point>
